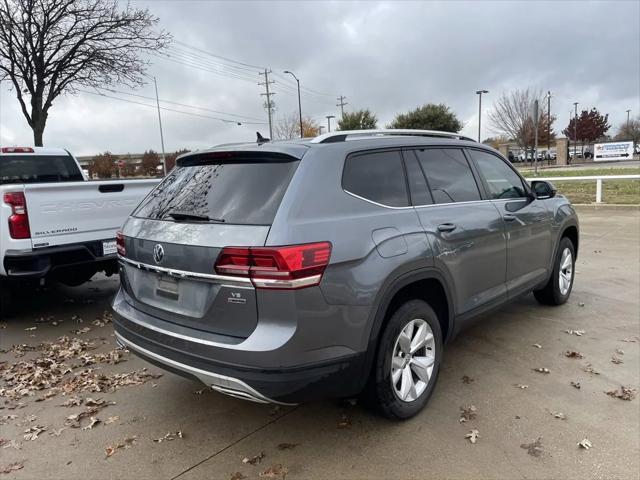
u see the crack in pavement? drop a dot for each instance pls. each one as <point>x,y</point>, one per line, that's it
<point>235,442</point>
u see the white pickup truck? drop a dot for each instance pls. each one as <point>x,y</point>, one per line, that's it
<point>55,225</point>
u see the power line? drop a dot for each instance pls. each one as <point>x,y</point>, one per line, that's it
<point>218,56</point>
<point>225,120</point>
<point>179,104</point>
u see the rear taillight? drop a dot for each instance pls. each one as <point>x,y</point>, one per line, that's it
<point>122,251</point>
<point>290,267</point>
<point>17,150</point>
<point>19,218</point>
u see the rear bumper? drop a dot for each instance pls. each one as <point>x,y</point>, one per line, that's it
<point>43,262</point>
<point>189,357</point>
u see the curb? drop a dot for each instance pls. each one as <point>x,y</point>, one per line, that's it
<point>605,206</point>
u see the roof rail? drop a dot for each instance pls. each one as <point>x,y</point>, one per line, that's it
<point>342,135</point>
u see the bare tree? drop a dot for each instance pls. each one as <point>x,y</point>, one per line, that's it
<point>512,116</point>
<point>288,127</point>
<point>49,47</point>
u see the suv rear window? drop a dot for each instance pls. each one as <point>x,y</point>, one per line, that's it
<point>21,168</point>
<point>378,177</point>
<point>245,193</point>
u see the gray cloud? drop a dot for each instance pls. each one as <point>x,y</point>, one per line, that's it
<point>388,56</point>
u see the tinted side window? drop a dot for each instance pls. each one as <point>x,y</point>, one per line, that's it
<point>449,175</point>
<point>378,177</point>
<point>502,182</point>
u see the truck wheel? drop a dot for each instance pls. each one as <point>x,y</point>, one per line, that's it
<point>558,288</point>
<point>408,361</point>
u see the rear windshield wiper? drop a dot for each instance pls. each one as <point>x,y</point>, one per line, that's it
<point>178,215</point>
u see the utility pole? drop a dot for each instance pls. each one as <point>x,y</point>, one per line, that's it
<point>575,130</point>
<point>268,94</point>
<point>536,119</point>
<point>329,117</point>
<point>479,93</point>
<point>320,128</point>
<point>164,161</point>
<point>548,122</point>
<point>342,103</point>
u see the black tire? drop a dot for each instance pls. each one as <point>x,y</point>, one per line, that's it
<point>551,293</point>
<point>380,391</point>
<point>5,301</point>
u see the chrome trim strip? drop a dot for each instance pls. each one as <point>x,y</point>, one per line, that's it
<point>428,205</point>
<point>224,279</point>
<point>188,338</point>
<point>296,283</point>
<point>221,383</point>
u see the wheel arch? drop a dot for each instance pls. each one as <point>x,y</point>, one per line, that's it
<point>425,284</point>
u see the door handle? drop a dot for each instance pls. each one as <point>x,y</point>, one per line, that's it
<point>446,227</point>
<point>508,217</point>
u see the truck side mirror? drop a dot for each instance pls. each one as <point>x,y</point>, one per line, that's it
<point>543,189</point>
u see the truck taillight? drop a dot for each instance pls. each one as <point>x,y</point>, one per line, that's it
<point>122,251</point>
<point>289,267</point>
<point>19,218</point>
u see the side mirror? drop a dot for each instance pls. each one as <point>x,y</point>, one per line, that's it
<point>543,189</point>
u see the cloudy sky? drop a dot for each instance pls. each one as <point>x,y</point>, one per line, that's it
<point>386,56</point>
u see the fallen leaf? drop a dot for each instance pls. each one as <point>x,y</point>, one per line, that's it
<point>12,467</point>
<point>589,369</point>
<point>534,449</point>
<point>73,401</point>
<point>345,422</point>
<point>169,436</point>
<point>30,329</point>
<point>541,370</point>
<point>254,460</point>
<point>630,339</point>
<point>521,386</point>
<point>473,435</point>
<point>572,354</point>
<point>111,420</point>
<point>466,379</point>
<point>81,331</point>
<point>287,446</point>
<point>537,345</point>
<point>32,432</point>
<point>619,351</point>
<point>238,476</point>
<point>581,304</point>
<point>6,418</point>
<point>575,385</point>
<point>90,402</point>
<point>467,413</point>
<point>585,443</point>
<point>275,471</point>
<point>94,421</point>
<point>623,393</point>
<point>579,333</point>
<point>559,415</point>
<point>13,444</point>
<point>616,360</point>
<point>126,443</point>
<point>201,391</point>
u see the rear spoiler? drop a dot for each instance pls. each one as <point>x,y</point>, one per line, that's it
<point>229,157</point>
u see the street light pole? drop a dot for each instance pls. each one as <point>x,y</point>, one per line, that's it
<point>299,102</point>
<point>329,117</point>
<point>164,161</point>
<point>479,93</point>
<point>628,112</point>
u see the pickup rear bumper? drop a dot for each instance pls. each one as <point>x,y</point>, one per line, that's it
<point>47,262</point>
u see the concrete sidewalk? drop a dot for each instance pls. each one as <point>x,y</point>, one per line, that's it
<point>334,439</point>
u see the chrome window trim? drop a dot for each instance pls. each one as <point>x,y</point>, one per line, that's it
<point>223,279</point>
<point>484,200</point>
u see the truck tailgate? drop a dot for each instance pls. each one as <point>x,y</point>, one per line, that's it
<point>75,212</point>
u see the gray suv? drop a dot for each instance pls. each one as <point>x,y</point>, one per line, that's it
<point>328,267</point>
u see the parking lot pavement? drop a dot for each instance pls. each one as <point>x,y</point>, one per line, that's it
<point>334,439</point>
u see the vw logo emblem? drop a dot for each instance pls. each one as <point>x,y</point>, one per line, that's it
<point>158,253</point>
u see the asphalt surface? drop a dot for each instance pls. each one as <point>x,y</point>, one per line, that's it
<point>334,439</point>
